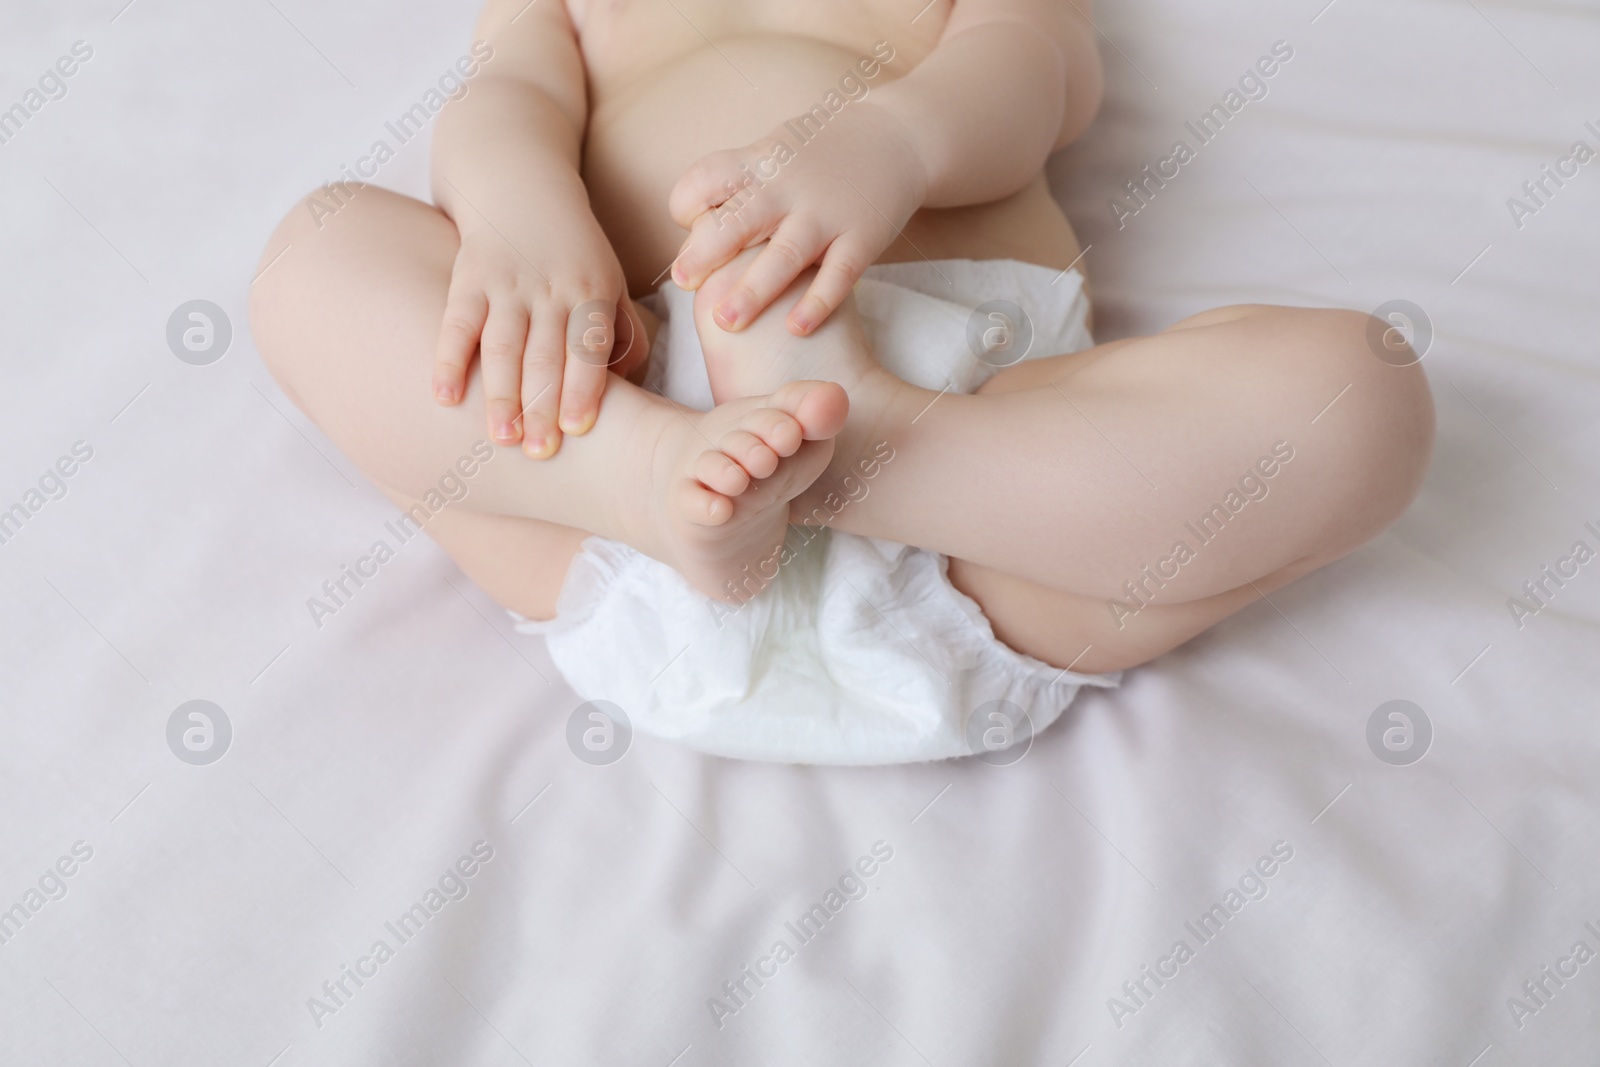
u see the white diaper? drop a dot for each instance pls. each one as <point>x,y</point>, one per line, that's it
<point>860,651</point>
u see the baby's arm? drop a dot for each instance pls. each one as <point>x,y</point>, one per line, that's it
<point>536,285</point>
<point>1009,82</point>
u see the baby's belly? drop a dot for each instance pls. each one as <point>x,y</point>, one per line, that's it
<point>644,135</point>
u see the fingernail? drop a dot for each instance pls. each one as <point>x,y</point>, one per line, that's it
<point>679,275</point>
<point>540,438</point>
<point>577,425</point>
<point>505,430</point>
<point>444,394</point>
<point>727,315</point>
<point>800,324</point>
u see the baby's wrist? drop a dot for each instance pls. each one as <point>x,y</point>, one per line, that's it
<point>526,207</point>
<point>908,146</point>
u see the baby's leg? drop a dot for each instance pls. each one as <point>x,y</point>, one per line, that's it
<point>346,316</point>
<point>1064,480</point>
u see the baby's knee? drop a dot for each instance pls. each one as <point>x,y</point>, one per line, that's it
<point>1226,314</point>
<point>320,250</point>
<point>281,278</point>
<point>1369,400</point>
<point>344,224</point>
<point>297,249</point>
<point>316,226</point>
<point>1396,405</point>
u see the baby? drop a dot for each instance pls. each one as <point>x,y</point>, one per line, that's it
<point>1013,517</point>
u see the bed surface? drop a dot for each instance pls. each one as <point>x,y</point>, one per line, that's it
<point>208,904</point>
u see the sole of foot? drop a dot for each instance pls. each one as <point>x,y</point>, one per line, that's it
<point>725,477</point>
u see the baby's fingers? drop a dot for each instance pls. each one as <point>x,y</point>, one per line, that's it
<point>542,367</point>
<point>841,268</point>
<point>631,348</point>
<point>591,349</point>
<point>464,313</point>
<point>710,181</point>
<point>504,338</point>
<point>716,237</point>
<point>790,251</point>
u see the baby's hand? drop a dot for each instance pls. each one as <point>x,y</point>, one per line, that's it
<point>549,319</point>
<point>842,196</point>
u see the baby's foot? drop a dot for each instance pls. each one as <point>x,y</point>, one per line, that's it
<point>764,354</point>
<point>725,477</point>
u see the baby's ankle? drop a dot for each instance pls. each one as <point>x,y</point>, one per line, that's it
<point>881,406</point>
<point>639,467</point>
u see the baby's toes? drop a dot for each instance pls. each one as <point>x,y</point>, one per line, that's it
<point>750,452</point>
<point>820,408</point>
<point>778,430</point>
<point>700,505</point>
<point>719,473</point>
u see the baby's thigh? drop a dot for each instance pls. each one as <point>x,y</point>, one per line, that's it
<point>1090,636</point>
<point>346,310</point>
<point>1034,373</point>
<point>521,563</point>
<point>1237,380</point>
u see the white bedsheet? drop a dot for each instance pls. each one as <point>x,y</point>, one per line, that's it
<point>371,755</point>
